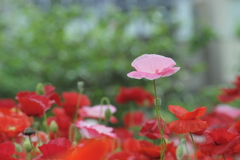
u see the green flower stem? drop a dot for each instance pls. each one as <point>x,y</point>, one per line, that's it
<point>78,106</point>
<point>159,118</point>
<point>71,130</point>
<point>194,146</point>
<point>30,140</point>
<point>189,158</point>
<point>45,123</point>
<point>29,157</point>
<point>224,157</point>
<point>104,100</point>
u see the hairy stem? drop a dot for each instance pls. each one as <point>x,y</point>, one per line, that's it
<point>194,146</point>
<point>159,118</point>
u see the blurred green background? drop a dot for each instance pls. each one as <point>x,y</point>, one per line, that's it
<point>64,44</point>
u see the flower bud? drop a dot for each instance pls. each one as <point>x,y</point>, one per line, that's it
<point>108,115</point>
<point>27,145</point>
<point>18,147</point>
<point>40,89</point>
<point>28,131</point>
<point>158,101</point>
<point>53,126</point>
<point>80,85</point>
<point>77,135</point>
<point>179,151</point>
<point>74,143</point>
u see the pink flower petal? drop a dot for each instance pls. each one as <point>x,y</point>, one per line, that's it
<point>97,111</point>
<point>152,66</point>
<point>139,75</point>
<point>94,131</point>
<point>151,63</point>
<point>228,110</point>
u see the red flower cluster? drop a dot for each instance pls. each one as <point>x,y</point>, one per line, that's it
<point>143,150</point>
<point>216,134</point>
<point>135,94</point>
<point>230,94</point>
<point>220,142</point>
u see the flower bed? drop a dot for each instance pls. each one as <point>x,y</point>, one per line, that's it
<point>45,125</point>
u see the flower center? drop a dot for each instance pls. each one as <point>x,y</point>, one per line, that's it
<point>11,128</point>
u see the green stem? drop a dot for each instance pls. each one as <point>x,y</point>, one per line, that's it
<point>45,123</point>
<point>29,157</point>
<point>78,106</point>
<point>71,129</point>
<point>104,100</point>
<point>224,157</point>
<point>189,158</point>
<point>30,140</point>
<point>194,146</point>
<point>159,117</point>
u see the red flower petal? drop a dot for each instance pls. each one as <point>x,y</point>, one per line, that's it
<point>7,149</point>
<point>135,94</point>
<point>55,147</point>
<point>7,103</point>
<point>184,126</point>
<point>71,100</point>
<point>92,149</point>
<point>177,111</point>
<point>199,112</point>
<point>133,118</point>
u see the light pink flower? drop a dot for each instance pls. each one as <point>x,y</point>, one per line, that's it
<point>152,66</point>
<point>98,111</point>
<point>228,110</point>
<point>94,131</point>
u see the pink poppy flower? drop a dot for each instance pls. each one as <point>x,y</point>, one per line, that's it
<point>152,66</point>
<point>94,131</point>
<point>97,111</point>
<point>228,110</point>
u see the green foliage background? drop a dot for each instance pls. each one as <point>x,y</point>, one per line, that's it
<point>64,45</point>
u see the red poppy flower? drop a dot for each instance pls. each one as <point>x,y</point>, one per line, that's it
<point>123,134</point>
<point>12,126</point>
<point>71,100</point>
<point>131,119</point>
<point>219,142</point>
<point>218,120</point>
<point>150,129</point>
<point>135,94</point>
<point>150,150</point>
<point>124,155</point>
<point>63,121</point>
<point>49,91</point>
<point>230,94</point>
<point>32,104</point>
<point>91,149</point>
<point>7,103</point>
<point>131,145</point>
<point>7,149</point>
<point>188,121</point>
<point>55,148</point>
